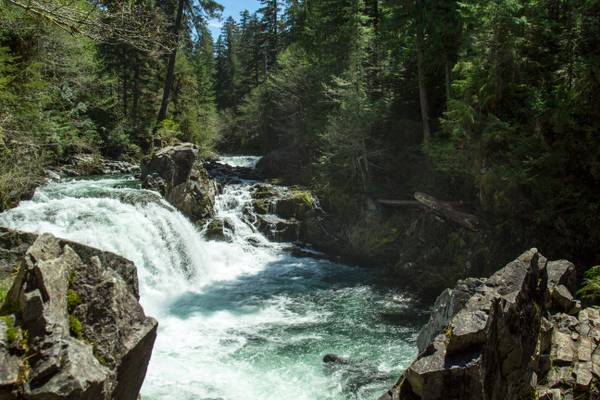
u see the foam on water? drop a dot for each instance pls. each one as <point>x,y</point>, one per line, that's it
<point>240,161</point>
<point>238,319</point>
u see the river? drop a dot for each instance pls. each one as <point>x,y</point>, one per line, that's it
<point>241,319</point>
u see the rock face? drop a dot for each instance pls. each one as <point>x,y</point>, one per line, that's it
<point>180,177</point>
<point>280,213</point>
<point>76,329</point>
<point>447,305</point>
<point>507,338</point>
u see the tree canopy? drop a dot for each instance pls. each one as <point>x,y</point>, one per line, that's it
<point>492,102</point>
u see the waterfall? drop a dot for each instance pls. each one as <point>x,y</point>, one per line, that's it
<point>239,318</point>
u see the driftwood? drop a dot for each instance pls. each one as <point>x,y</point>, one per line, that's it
<point>442,208</point>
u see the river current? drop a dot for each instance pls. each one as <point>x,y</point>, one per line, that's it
<point>242,319</point>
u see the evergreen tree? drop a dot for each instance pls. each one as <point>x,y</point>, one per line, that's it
<point>227,75</point>
<point>270,32</point>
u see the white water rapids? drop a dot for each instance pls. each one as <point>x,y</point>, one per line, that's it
<point>237,320</point>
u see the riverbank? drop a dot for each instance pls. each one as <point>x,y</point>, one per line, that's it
<point>424,243</point>
<point>19,182</point>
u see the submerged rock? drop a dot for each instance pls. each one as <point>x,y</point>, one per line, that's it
<point>490,340</point>
<point>177,174</point>
<point>79,331</point>
<point>332,358</point>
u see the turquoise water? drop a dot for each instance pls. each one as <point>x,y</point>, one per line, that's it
<point>238,319</point>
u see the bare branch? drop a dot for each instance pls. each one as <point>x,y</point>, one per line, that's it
<point>139,27</point>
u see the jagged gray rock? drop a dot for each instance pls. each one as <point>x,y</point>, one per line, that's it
<point>88,337</point>
<point>180,177</point>
<point>498,345</point>
<point>10,364</point>
<point>450,302</point>
<point>562,282</point>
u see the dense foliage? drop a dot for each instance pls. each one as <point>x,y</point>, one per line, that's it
<point>591,286</point>
<point>499,98</point>
<point>494,102</point>
<point>96,87</point>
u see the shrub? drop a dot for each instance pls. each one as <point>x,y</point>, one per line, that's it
<point>591,286</point>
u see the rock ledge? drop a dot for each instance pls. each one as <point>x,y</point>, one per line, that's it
<point>73,327</point>
<point>516,335</point>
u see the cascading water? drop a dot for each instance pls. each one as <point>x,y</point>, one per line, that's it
<point>238,319</point>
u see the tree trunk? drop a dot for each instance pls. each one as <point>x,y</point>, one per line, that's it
<point>136,93</point>
<point>446,211</point>
<point>423,98</point>
<point>162,113</point>
<point>448,77</point>
<point>124,79</point>
<point>443,209</point>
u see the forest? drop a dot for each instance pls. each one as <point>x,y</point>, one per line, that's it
<point>309,199</point>
<point>493,103</point>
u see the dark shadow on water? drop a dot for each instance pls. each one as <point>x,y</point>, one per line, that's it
<point>290,277</point>
<point>305,283</point>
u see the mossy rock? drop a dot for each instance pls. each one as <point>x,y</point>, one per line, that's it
<point>5,285</point>
<point>264,191</point>
<point>261,206</point>
<point>12,331</point>
<point>215,230</point>
<point>296,205</point>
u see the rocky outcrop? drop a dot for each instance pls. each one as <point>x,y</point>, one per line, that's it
<point>507,337</point>
<point>447,305</point>
<point>280,213</point>
<point>180,177</point>
<point>73,327</point>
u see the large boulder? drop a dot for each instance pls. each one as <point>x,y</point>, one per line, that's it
<point>492,340</point>
<point>77,328</point>
<point>181,178</point>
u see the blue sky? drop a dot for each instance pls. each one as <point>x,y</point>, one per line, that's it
<point>232,8</point>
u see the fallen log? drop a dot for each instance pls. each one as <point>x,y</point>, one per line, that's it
<point>441,208</point>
